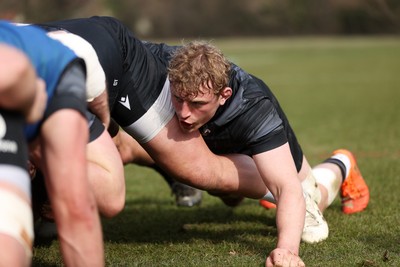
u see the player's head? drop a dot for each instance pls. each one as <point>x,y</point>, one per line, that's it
<point>198,64</point>
<point>199,75</point>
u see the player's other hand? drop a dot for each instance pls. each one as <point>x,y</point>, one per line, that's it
<point>283,258</point>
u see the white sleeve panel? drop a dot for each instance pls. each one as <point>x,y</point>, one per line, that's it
<point>151,123</point>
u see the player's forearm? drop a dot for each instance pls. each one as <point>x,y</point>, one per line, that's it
<point>290,220</point>
<point>78,222</point>
<point>73,203</point>
<point>76,215</point>
<point>81,243</point>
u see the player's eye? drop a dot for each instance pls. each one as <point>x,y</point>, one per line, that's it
<point>178,99</point>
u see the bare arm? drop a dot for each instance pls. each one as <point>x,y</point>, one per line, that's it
<point>280,175</point>
<point>187,157</point>
<point>63,137</point>
<point>20,89</point>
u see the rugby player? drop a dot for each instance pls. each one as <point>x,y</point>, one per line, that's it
<point>62,135</point>
<point>240,116</point>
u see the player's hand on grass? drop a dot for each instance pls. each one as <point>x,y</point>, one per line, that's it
<point>280,257</point>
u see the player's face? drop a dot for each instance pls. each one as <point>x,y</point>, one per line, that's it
<point>195,112</point>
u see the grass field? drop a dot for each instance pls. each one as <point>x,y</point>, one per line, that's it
<point>337,92</point>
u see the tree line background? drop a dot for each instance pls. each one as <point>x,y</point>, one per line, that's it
<point>212,18</point>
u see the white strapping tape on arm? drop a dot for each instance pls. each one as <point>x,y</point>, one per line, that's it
<point>96,79</point>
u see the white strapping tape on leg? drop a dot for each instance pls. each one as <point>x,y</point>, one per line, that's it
<point>16,219</point>
<point>328,179</point>
<point>310,186</point>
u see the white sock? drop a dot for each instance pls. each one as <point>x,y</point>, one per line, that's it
<point>345,160</point>
<point>269,197</point>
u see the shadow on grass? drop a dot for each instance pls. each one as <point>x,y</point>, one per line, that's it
<point>147,220</point>
<point>156,221</point>
<point>40,263</point>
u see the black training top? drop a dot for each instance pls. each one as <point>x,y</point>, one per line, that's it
<point>250,122</point>
<point>130,68</point>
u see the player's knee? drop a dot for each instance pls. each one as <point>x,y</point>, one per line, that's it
<point>113,206</point>
<point>112,201</point>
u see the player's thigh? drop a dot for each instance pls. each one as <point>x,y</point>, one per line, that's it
<point>103,152</point>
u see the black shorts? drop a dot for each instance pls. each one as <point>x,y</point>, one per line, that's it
<point>13,144</point>
<point>96,127</point>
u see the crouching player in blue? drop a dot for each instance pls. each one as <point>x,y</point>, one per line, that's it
<point>62,136</point>
<point>22,98</point>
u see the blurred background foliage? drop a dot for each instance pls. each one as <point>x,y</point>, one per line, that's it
<point>215,18</point>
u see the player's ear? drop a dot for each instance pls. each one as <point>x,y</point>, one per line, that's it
<point>225,94</point>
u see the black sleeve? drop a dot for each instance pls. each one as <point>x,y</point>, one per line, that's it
<point>70,92</point>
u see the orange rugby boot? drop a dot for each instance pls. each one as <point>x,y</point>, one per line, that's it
<point>267,205</point>
<point>354,191</point>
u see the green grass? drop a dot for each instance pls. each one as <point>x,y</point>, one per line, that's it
<point>337,92</point>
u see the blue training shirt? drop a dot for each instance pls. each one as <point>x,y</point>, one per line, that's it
<point>49,57</point>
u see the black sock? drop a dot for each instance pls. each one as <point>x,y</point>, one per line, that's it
<point>340,164</point>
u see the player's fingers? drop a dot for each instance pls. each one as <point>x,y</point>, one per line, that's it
<point>293,261</point>
<point>301,264</point>
<point>275,259</point>
<point>268,262</point>
<point>283,258</point>
<point>289,260</point>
